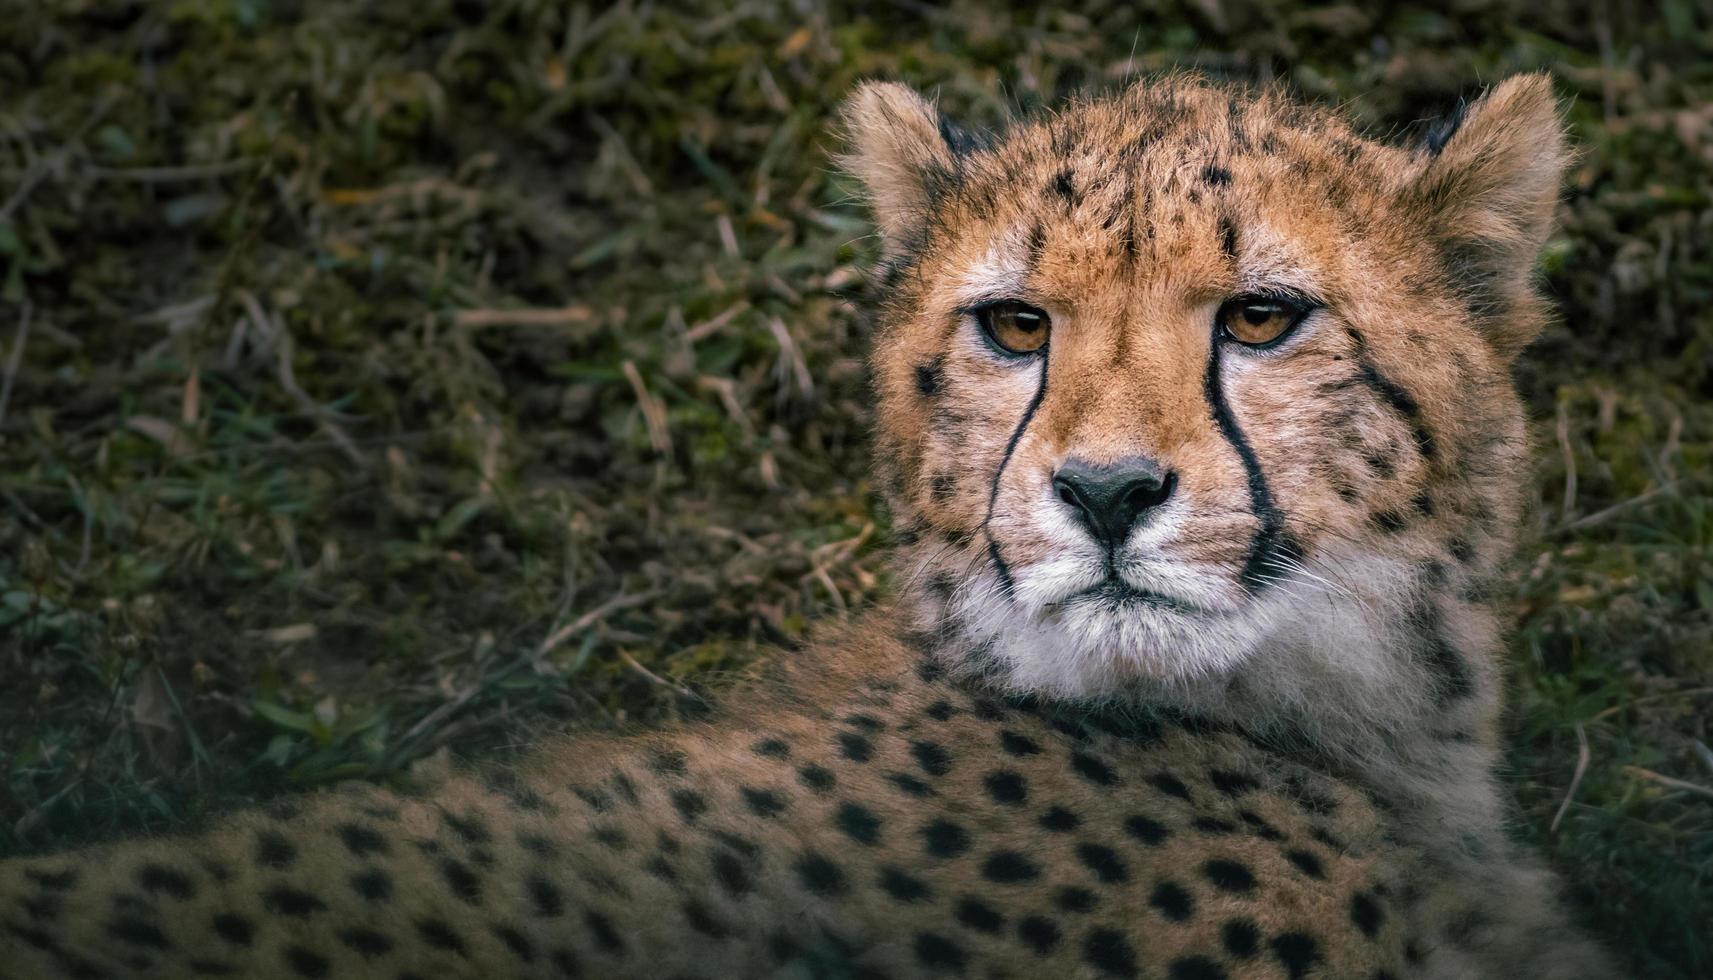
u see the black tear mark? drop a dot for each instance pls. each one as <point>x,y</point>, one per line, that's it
<point>1441,132</point>
<point>1215,176</point>
<point>999,565</point>
<point>1272,548</point>
<point>1228,237</point>
<point>1404,404</point>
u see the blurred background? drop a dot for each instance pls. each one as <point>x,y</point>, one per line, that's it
<point>387,383</point>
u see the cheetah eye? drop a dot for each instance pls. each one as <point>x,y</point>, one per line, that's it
<point>1014,327</point>
<point>1257,321</point>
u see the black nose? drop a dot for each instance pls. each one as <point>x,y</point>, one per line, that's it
<point>1109,498</point>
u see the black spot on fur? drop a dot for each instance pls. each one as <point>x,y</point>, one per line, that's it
<point>858,822</point>
<point>855,747</point>
<point>1107,866</point>
<point>944,839</point>
<point>274,851</point>
<point>53,881</point>
<point>938,953</point>
<point>730,872</point>
<point>1241,938</point>
<point>772,748</point>
<point>1195,968</point>
<point>1228,238</point>
<point>1366,913</point>
<point>1404,403</point>
<point>1170,785</point>
<point>1229,876</point>
<point>294,902</point>
<point>374,885</point>
<point>816,778</point>
<point>1064,187</point>
<point>1074,899</point>
<point>1213,826</point>
<point>929,379</point>
<point>1009,868</point>
<point>932,757</point>
<point>703,921</point>
<point>234,928</point>
<point>909,785</point>
<point>366,942</point>
<point>136,932</point>
<point>1093,769</point>
<point>463,882</point>
<point>1306,862</point>
<point>1215,176</point>
<point>1147,830</point>
<point>979,916</point>
<point>689,804</point>
<point>1452,679</point>
<point>1006,787</point>
<point>1172,901</point>
<point>1018,745</point>
<point>1109,952</point>
<point>940,710</point>
<point>544,897</point>
<point>762,802</point>
<point>1039,933</point>
<point>1297,951</point>
<point>903,886</point>
<point>1260,827</point>
<point>157,879</point>
<point>1231,783</point>
<point>514,941</point>
<point>820,875</point>
<point>306,962</point>
<point>602,929</point>
<point>470,830</point>
<point>669,762</point>
<point>1059,820</point>
<point>361,841</point>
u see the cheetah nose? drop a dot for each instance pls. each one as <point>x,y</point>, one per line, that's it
<point>1109,498</point>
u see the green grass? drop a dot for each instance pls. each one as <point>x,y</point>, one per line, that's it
<point>287,497</point>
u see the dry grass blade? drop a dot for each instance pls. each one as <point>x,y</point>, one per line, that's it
<point>653,412</point>
<point>1582,757</point>
<point>15,357</point>
<point>1669,782</point>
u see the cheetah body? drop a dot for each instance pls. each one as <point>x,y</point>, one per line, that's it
<point>1254,737</point>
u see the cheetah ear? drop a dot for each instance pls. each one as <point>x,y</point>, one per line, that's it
<point>903,152</point>
<point>1488,191</point>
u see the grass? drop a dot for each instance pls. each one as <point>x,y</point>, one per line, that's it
<point>399,379</point>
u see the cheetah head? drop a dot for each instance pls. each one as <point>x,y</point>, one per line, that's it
<point>1174,382</point>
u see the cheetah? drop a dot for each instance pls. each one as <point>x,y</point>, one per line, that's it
<point>1195,423</point>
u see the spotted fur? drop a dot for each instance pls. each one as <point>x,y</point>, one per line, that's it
<point>1266,751</point>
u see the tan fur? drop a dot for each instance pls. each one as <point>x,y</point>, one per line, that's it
<point>1277,766</point>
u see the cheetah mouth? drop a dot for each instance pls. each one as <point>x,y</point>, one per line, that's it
<point>1114,592</point>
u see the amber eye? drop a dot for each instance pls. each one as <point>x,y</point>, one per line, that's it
<point>1017,328</point>
<point>1260,320</point>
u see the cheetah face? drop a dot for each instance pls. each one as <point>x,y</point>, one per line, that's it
<point>1172,381</point>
